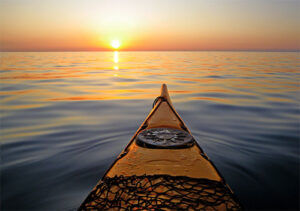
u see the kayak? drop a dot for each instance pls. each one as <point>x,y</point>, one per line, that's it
<point>162,168</point>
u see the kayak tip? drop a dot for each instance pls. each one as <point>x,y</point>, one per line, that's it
<point>164,93</point>
<point>164,90</point>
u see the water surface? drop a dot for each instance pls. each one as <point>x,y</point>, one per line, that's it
<point>66,116</point>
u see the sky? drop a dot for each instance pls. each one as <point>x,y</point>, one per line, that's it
<point>79,25</point>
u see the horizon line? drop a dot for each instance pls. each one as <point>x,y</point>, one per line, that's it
<point>178,50</point>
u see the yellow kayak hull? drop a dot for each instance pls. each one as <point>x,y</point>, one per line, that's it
<point>147,178</point>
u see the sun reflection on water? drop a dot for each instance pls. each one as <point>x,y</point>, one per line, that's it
<point>116,65</point>
<point>116,56</point>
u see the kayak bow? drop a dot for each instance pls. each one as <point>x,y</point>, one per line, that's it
<point>162,168</point>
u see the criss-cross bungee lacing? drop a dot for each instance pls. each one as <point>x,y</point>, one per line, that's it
<point>160,192</point>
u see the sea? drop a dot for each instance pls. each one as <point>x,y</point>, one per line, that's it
<point>65,117</point>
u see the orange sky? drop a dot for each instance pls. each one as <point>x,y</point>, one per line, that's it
<point>70,25</point>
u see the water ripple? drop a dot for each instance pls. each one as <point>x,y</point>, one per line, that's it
<point>66,116</point>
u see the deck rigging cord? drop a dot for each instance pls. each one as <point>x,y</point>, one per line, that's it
<point>160,192</point>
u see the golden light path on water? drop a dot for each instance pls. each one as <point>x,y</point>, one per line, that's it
<point>116,61</point>
<point>208,76</point>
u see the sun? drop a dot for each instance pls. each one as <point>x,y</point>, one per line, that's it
<point>115,44</point>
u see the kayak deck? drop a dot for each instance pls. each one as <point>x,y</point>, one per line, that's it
<point>140,161</point>
<point>170,173</point>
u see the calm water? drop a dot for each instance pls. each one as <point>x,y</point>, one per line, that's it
<point>66,116</point>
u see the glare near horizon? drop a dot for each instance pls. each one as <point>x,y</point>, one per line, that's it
<point>52,25</point>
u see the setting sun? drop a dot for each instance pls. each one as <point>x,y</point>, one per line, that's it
<point>115,44</point>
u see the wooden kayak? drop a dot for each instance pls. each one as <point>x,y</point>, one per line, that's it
<point>162,168</point>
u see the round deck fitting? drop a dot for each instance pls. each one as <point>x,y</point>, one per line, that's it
<point>164,138</point>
